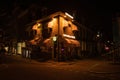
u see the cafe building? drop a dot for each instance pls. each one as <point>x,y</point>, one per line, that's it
<point>59,35</point>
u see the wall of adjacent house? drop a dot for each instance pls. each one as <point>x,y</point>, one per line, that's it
<point>116,30</point>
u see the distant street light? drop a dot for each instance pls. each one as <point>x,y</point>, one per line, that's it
<point>54,38</point>
<point>98,35</point>
<point>54,46</point>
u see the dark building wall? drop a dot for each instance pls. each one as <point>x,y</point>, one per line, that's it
<point>116,29</point>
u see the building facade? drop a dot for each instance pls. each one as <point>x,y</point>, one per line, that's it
<point>116,28</point>
<point>63,37</point>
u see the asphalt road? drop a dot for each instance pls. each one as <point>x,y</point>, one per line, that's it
<point>17,68</point>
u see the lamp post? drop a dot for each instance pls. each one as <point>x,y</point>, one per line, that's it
<point>58,39</point>
<point>54,47</point>
<point>99,44</point>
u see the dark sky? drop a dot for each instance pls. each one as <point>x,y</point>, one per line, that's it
<point>95,14</point>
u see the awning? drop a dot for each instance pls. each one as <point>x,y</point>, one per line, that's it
<point>48,42</point>
<point>73,42</point>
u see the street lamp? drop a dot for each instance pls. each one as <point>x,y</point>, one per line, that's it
<point>98,35</point>
<point>54,39</point>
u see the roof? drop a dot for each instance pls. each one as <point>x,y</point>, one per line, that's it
<point>59,13</point>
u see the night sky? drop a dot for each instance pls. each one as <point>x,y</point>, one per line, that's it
<point>95,14</point>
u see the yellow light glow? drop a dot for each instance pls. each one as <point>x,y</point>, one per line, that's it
<point>54,38</point>
<point>65,16</point>
<point>68,15</point>
<point>19,48</point>
<point>38,24</point>
<point>54,19</point>
<point>65,23</point>
<point>34,27</point>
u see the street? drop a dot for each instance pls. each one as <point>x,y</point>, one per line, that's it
<point>17,68</point>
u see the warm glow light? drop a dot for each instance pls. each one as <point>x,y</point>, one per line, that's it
<point>54,38</point>
<point>98,35</point>
<point>65,16</point>
<point>6,48</point>
<point>38,24</point>
<point>68,15</point>
<point>50,24</point>
<point>19,48</point>
<point>69,36</point>
<point>54,19</point>
<point>34,27</point>
<point>65,22</point>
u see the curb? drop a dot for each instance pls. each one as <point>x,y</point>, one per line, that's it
<point>91,70</point>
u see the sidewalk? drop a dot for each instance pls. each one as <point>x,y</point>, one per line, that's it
<point>22,59</point>
<point>17,59</point>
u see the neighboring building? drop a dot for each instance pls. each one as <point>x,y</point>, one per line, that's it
<point>116,37</point>
<point>62,36</point>
<point>116,28</point>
